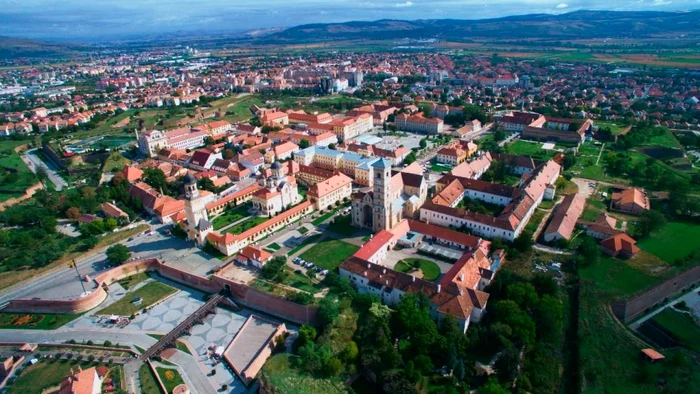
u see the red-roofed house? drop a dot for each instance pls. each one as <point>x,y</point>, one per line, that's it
<point>619,245</point>
<point>252,255</point>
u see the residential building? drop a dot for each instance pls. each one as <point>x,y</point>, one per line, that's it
<point>419,124</point>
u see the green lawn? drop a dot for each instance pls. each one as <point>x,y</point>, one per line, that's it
<point>526,148</point>
<point>303,230</point>
<point>281,372</point>
<point>149,385</point>
<point>14,174</point>
<point>311,239</point>
<point>342,225</point>
<point>326,216</point>
<point>35,321</point>
<point>666,139</point>
<point>247,225</point>
<point>430,270</point>
<point>618,276</point>
<point>170,377</point>
<point>231,215</point>
<point>615,128</point>
<point>35,378</point>
<point>302,282</point>
<point>133,280</point>
<point>682,326</point>
<point>150,293</point>
<point>609,354</point>
<point>330,253</point>
<point>673,241</point>
<point>274,246</point>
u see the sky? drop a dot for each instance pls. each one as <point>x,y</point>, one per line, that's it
<point>100,20</point>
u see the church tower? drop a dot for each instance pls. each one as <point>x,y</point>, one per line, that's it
<point>198,225</point>
<point>382,190</point>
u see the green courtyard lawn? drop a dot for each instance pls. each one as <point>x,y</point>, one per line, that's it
<point>303,230</point>
<point>309,240</point>
<point>34,379</point>
<point>35,321</point>
<point>684,329</point>
<point>150,293</point>
<point>527,148</point>
<point>326,216</point>
<point>440,167</point>
<point>666,140</point>
<point>170,377</point>
<point>274,246</point>
<point>247,225</point>
<point>149,385</point>
<point>231,215</point>
<point>330,253</point>
<point>282,372</point>
<point>673,241</point>
<point>430,270</point>
<point>342,225</point>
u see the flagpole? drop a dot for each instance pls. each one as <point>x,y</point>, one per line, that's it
<point>75,265</point>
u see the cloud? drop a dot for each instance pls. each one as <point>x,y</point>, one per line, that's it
<point>408,3</point>
<point>562,5</point>
<point>660,2</point>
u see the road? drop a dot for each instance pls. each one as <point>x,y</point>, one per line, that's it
<point>63,281</point>
<point>33,162</point>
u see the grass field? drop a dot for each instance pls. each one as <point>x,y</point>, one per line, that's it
<point>615,128</point>
<point>430,270</point>
<point>231,215</point>
<point>149,385</point>
<point>526,148</point>
<point>170,377</point>
<point>274,246</point>
<point>35,378</point>
<point>281,373</point>
<point>133,280</point>
<point>14,174</point>
<point>673,241</point>
<point>302,282</point>
<point>620,277</point>
<point>311,239</point>
<point>303,230</point>
<point>342,225</point>
<point>330,253</point>
<point>150,293</point>
<point>35,321</point>
<point>666,139</point>
<point>326,216</point>
<point>682,326</point>
<point>247,225</point>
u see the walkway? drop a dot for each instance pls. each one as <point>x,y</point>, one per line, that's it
<point>180,329</point>
<point>602,147</point>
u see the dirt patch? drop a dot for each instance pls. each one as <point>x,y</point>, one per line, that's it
<point>167,353</point>
<point>122,123</point>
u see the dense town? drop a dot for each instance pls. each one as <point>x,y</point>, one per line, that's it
<point>354,222</point>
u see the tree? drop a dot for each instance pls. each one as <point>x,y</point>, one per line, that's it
<point>506,365</point>
<point>492,387</point>
<point>155,178</point>
<point>652,221</point>
<point>206,184</point>
<point>117,254</point>
<point>423,143</point>
<point>72,213</point>
<point>350,352</point>
<point>332,146</point>
<point>304,143</point>
<point>333,367</point>
<point>306,334</point>
<point>328,310</point>
<point>499,135</point>
<point>110,224</point>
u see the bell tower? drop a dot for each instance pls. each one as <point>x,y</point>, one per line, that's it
<point>382,190</point>
<point>195,210</point>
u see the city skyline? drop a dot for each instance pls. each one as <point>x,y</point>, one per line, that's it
<point>83,21</point>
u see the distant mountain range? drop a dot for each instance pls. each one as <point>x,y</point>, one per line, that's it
<point>573,25</point>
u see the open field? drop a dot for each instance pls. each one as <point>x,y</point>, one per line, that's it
<point>133,280</point>
<point>14,173</point>
<point>311,239</point>
<point>430,270</point>
<point>673,241</point>
<point>150,293</point>
<point>626,277</point>
<point>330,253</point>
<point>35,378</point>
<point>615,128</point>
<point>682,326</point>
<point>666,140</point>
<point>281,372</point>
<point>302,282</point>
<point>35,321</point>
<point>526,148</point>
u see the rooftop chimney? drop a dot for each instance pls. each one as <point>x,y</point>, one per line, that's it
<point>413,278</point>
<point>438,290</point>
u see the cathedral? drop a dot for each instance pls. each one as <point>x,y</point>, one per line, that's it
<point>395,195</point>
<point>198,224</point>
<point>279,192</point>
